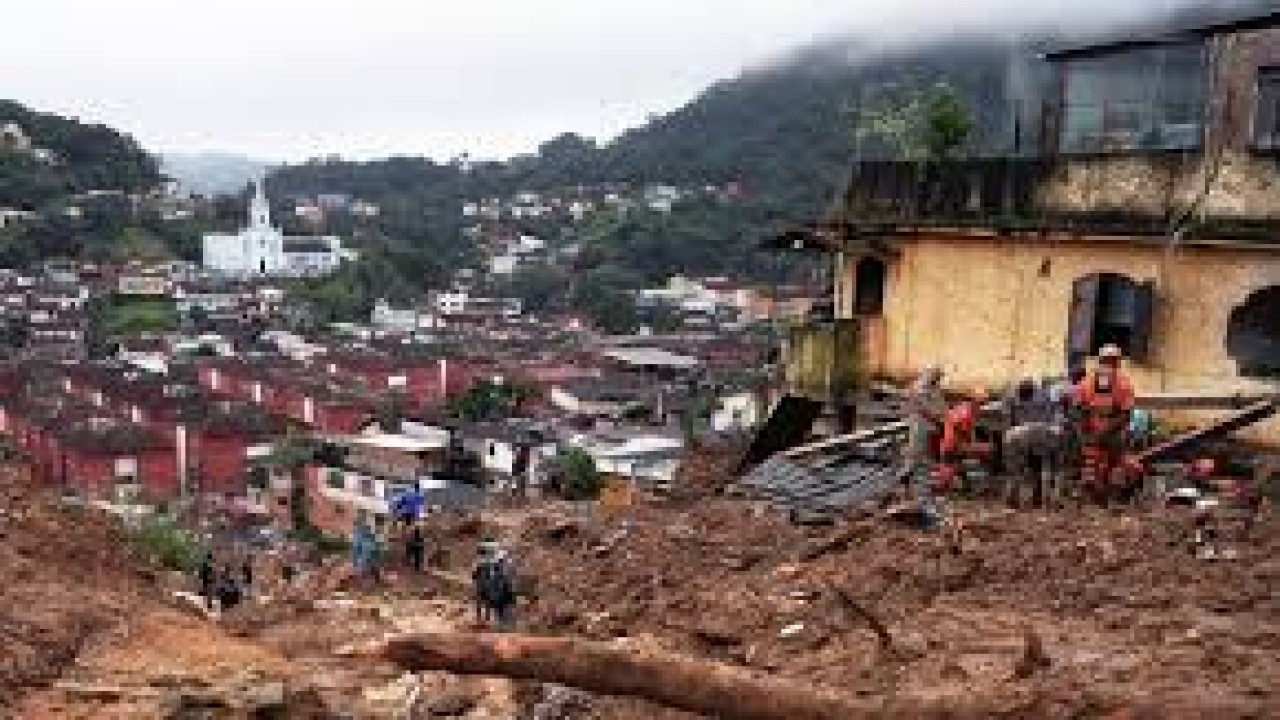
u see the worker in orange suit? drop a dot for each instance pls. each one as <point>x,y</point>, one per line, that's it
<point>959,441</point>
<point>1104,402</point>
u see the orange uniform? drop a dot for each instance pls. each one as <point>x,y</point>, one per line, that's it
<point>1104,402</point>
<point>957,443</point>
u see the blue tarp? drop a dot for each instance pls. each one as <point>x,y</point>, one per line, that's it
<point>408,503</point>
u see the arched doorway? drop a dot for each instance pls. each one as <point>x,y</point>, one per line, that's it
<point>869,285</point>
<point>1253,334</point>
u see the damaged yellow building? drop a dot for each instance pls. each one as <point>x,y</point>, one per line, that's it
<point>1146,215</point>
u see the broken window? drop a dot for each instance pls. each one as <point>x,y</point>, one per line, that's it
<point>1110,309</point>
<point>1266,123</point>
<point>869,282</point>
<point>1253,334</point>
<point>1142,98</point>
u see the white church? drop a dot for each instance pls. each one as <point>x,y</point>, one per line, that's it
<point>262,250</point>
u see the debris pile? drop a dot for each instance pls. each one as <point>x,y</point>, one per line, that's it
<point>1072,613</point>
<point>1062,611</point>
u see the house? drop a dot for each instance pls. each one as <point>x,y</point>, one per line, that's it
<point>579,209</point>
<point>1145,215</point>
<point>608,397</point>
<point>311,214</point>
<point>13,138</point>
<point>385,317</point>
<point>504,264</point>
<point>209,298</point>
<point>361,208</point>
<point>333,201</point>
<point>10,216</point>
<point>644,458</point>
<point>143,284</point>
<point>361,475</point>
<point>662,198</point>
<point>654,361</point>
<point>511,456</point>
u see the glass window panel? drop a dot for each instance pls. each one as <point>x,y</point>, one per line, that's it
<point>1144,98</point>
<point>1267,121</point>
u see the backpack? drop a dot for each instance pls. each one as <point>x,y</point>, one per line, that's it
<point>494,582</point>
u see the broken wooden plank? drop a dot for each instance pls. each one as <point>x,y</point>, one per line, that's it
<point>1236,421</point>
<point>1199,400</point>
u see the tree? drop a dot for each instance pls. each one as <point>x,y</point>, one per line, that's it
<point>910,123</point>
<point>604,295</point>
<point>948,125</point>
<point>579,477</point>
<point>538,288</point>
<point>135,243</point>
<point>488,401</point>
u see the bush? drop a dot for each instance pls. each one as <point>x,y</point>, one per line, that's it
<point>580,479</point>
<point>169,545</point>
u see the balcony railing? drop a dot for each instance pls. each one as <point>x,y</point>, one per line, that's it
<point>1099,195</point>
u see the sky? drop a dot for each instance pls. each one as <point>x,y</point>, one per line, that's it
<point>292,79</point>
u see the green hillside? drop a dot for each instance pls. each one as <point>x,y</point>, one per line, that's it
<point>81,157</point>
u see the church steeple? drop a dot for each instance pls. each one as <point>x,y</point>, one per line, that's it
<point>259,208</point>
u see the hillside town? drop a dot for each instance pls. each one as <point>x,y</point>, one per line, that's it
<point>990,434</point>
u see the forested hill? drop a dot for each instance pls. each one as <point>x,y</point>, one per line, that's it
<point>784,132</point>
<point>66,157</point>
<point>782,135</point>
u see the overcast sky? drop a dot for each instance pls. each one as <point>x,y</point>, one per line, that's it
<point>290,79</point>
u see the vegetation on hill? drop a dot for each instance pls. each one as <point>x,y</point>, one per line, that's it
<point>84,157</point>
<point>78,182</point>
<point>782,137</point>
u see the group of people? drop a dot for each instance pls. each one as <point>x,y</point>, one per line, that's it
<point>493,575</point>
<point>369,543</point>
<point>224,586</point>
<point>1084,426</point>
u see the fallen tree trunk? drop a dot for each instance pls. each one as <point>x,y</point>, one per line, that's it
<point>684,684</point>
<point>732,693</point>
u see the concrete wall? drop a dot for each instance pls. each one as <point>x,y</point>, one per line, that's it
<point>1241,185</point>
<point>991,309</point>
<point>1245,184</point>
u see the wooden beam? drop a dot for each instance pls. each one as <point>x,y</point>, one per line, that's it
<point>1199,401</point>
<point>840,441</point>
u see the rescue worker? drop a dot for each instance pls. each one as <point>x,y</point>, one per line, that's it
<point>1034,443</point>
<point>926,409</point>
<point>959,441</point>
<point>1104,402</point>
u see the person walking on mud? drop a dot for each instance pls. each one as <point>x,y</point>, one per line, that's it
<point>495,586</point>
<point>364,548</point>
<point>416,547</point>
<point>207,576</point>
